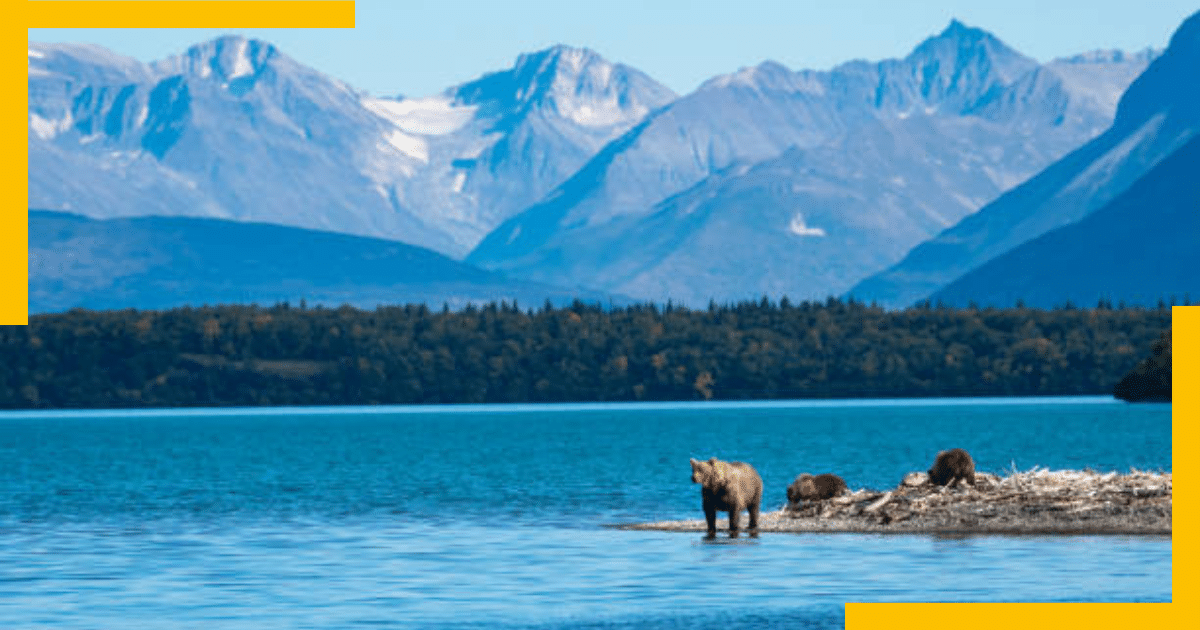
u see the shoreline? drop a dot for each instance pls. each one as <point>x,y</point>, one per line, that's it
<point>1037,502</point>
<point>558,407</point>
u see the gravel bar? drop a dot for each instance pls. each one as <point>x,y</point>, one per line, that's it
<point>1038,501</point>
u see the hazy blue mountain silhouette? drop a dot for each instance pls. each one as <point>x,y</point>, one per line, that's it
<point>161,262</point>
<point>1142,247</point>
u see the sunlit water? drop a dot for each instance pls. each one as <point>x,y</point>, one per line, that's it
<point>495,516</point>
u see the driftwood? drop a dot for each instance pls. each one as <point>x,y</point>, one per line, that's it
<point>1035,501</point>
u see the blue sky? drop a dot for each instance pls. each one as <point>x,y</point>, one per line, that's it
<point>418,47</point>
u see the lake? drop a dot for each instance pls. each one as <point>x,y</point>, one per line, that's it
<point>497,516</point>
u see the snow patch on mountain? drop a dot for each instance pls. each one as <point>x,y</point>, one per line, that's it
<point>431,116</point>
<point>241,62</point>
<point>799,228</point>
<point>47,129</point>
<point>599,114</point>
<point>411,146</point>
<point>585,91</point>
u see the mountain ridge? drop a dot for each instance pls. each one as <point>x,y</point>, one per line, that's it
<point>163,262</point>
<point>1157,114</point>
<point>1137,249</point>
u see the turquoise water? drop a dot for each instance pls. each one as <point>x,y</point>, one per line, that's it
<point>495,516</point>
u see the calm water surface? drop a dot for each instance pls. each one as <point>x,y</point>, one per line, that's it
<point>495,516</point>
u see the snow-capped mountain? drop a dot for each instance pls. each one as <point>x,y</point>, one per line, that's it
<point>235,129</point>
<point>769,181</point>
<point>1158,114</point>
<point>492,147</point>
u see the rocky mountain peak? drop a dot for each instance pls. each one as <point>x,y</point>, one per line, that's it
<point>960,47</point>
<point>961,36</point>
<point>573,83</point>
<point>958,69</point>
<point>558,62</point>
<point>231,60</point>
<point>530,78</point>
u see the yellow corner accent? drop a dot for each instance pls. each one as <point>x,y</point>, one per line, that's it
<point>190,14</point>
<point>14,222</point>
<point>1185,420</point>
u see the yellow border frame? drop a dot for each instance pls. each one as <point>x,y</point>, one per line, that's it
<point>14,257</point>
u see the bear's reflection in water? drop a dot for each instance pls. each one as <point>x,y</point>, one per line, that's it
<point>732,539</point>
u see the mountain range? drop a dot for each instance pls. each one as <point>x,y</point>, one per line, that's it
<point>235,129</point>
<point>567,170</point>
<point>774,182</point>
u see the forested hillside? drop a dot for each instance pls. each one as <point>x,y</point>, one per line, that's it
<point>284,355</point>
<point>1150,381</point>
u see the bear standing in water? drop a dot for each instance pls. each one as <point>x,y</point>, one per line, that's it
<point>950,465</point>
<point>728,487</point>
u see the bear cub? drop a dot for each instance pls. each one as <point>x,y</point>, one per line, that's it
<point>807,487</point>
<point>951,465</point>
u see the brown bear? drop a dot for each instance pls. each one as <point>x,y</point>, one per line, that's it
<point>728,487</point>
<point>950,465</point>
<point>809,488</point>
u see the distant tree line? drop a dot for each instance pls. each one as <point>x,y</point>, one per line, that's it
<point>284,355</point>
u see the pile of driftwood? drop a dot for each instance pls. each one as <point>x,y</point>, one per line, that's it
<point>1035,501</point>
